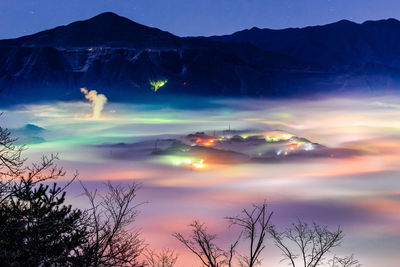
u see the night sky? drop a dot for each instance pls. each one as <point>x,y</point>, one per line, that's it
<point>192,17</point>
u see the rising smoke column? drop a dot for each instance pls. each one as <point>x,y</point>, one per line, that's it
<point>97,101</point>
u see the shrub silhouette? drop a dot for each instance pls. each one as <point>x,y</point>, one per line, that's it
<point>38,229</point>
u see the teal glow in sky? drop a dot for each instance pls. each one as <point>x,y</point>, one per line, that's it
<point>192,18</point>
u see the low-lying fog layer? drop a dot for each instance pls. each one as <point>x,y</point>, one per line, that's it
<point>356,186</point>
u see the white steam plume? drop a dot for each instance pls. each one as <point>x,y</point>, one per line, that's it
<point>97,101</point>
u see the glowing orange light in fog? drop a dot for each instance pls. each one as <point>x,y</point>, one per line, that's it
<point>199,164</point>
<point>205,142</point>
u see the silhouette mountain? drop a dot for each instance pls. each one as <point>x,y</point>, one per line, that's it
<point>334,46</point>
<point>107,29</point>
<point>119,58</point>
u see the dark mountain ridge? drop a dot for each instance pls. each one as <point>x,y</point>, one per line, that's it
<point>119,58</point>
<point>337,45</point>
<point>105,30</point>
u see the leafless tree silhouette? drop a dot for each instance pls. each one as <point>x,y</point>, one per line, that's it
<point>11,161</point>
<point>348,261</point>
<point>111,242</point>
<point>255,224</point>
<point>309,246</point>
<point>163,258</point>
<point>203,245</point>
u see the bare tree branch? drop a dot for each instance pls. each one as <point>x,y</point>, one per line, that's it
<point>164,258</point>
<point>255,224</point>
<point>348,261</point>
<point>111,242</point>
<point>11,161</point>
<point>203,246</point>
<point>310,244</point>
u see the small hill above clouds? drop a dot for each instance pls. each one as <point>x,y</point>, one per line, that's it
<point>30,134</point>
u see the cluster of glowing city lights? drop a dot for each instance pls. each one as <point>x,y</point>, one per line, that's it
<point>198,164</point>
<point>277,136</point>
<point>205,142</point>
<point>293,146</point>
<point>188,162</point>
<point>246,135</point>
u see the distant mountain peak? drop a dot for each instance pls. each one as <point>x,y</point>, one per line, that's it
<point>255,29</point>
<point>344,21</point>
<point>110,18</point>
<point>108,14</point>
<point>106,30</point>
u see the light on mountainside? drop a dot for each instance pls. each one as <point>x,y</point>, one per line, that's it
<point>155,85</point>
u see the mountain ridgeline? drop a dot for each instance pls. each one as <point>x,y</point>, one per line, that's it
<point>120,57</point>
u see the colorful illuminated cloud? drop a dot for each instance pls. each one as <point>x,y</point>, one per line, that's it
<point>352,181</point>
